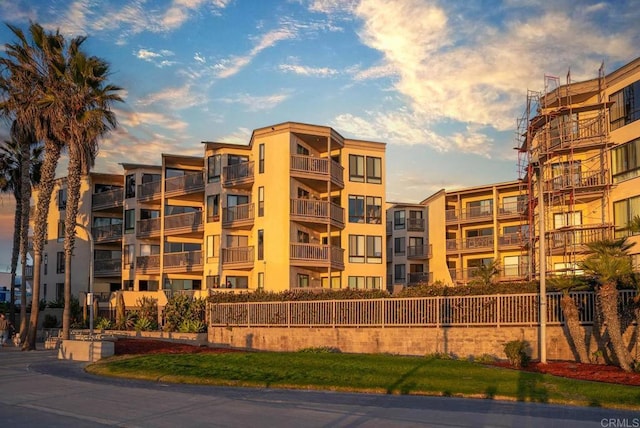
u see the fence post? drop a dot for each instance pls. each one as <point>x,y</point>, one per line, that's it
<point>289,314</point>
<point>498,309</point>
<point>438,311</point>
<point>248,316</point>
<point>333,315</point>
<point>383,302</point>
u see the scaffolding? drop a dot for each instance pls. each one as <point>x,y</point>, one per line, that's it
<point>563,143</point>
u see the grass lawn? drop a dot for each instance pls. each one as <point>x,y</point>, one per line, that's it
<point>368,373</point>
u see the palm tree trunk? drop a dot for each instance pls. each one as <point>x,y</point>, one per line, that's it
<point>608,295</point>
<point>15,250</point>
<point>48,171</point>
<point>73,197</point>
<point>25,214</point>
<point>576,332</point>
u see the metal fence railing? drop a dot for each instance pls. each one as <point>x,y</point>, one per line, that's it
<point>464,311</point>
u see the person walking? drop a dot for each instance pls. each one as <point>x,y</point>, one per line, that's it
<point>4,330</point>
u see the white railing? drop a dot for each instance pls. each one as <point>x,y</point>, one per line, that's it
<point>495,310</point>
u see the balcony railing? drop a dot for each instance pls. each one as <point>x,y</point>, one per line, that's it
<point>320,168</point>
<point>512,209</point>
<point>577,181</point>
<point>110,232</point>
<point>148,264</point>
<point>190,182</point>
<point>419,278</point>
<point>470,244</point>
<point>419,251</point>
<point>575,239</point>
<point>107,266</point>
<point>317,254</point>
<point>415,224</point>
<point>506,273</point>
<point>471,214</point>
<point>28,272</point>
<point>186,222</point>
<point>148,227</point>
<point>585,131</point>
<point>238,215</point>
<point>184,261</point>
<point>238,174</point>
<point>109,199</point>
<point>317,211</point>
<point>232,256</point>
<point>511,240</point>
<point>149,191</point>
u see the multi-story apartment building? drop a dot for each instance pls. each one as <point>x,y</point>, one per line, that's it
<point>408,247</point>
<point>298,206</point>
<point>580,142</point>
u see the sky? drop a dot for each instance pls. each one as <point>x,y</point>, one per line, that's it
<point>441,82</point>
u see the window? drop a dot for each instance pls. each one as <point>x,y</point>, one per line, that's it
<point>399,219</point>
<point>182,284</point>
<point>561,269</point>
<point>303,280</point>
<point>356,248</point>
<point>213,208</point>
<point>356,209</point>
<point>416,247</point>
<point>148,285</point>
<point>60,230</point>
<point>241,282</point>
<point>149,249</point>
<point>480,208</point>
<point>374,209</point>
<point>400,273</point>
<point>214,167</point>
<point>374,170</point>
<point>356,168</point>
<point>374,283</point>
<point>566,174</point>
<point>626,106</point>
<point>260,244</point>
<point>399,246</point>
<point>303,237</point>
<point>356,282</point>
<point>260,280</point>
<point>623,212</point>
<point>128,255</point>
<point>261,201</point>
<point>62,199</point>
<point>213,281</point>
<point>626,161</point>
<point>46,262</point>
<point>374,249</point>
<point>511,266</point>
<point>146,214</point>
<point>130,186</point>
<point>213,246</point>
<point>302,150</point>
<point>513,204</point>
<point>261,158</point>
<point>573,218</point>
<point>129,221</point>
<point>59,291</point>
<point>60,262</point>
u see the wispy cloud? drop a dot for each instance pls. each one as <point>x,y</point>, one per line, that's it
<point>257,103</point>
<point>178,98</point>
<point>158,58</point>
<point>308,71</point>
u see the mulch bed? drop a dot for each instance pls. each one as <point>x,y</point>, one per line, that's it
<point>592,372</point>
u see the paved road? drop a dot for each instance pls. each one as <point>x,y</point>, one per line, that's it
<point>36,389</point>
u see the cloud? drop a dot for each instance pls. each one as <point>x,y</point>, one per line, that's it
<point>240,136</point>
<point>257,103</point>
<point>178,98</point>
<point>308,71</point>
<point>157,58</point>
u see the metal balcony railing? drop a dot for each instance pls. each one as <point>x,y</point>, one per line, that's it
<point>190,182</point>
<point>110,232</point>
<point>237,174</point>
<point>185,222</point>
<point>109,199</point>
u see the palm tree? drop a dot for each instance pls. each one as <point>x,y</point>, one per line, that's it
<point>485,273</point>
<point>572,316</point>
<point>85,116</point>
<point>609,261</point>
<point>21,156</point>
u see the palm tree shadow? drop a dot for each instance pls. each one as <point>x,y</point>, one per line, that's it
<point>399,383</point>
<point>531,387</point>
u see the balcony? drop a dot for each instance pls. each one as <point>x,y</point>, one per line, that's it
<point>238,257</point>
<point>239,216</point>
<point>514,272</point>
<point>107,200</point>
<point>476,243</point>
<point>149,191</point>
<point>108,233</point>
<point>189,183</point>
<point>511,240</point>
<point>575,239</point>
<point>389,228</point>
<point>419,252</point>
<point>316,256</point>
<point>187,261</point>
<point>315,213</point>
<point>148,264</point>
<point>580,184</point>
<point>451,216</point>
<point>148,228</point>
<point>107,267</point>
<point>416,278</point>
<point>512,209</point>
<point>184,223</point>
<point>316,172</point>
<point>415,224</point>
<point>238,175</point>
<point>588,131</point>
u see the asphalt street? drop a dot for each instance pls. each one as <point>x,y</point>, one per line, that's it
<point>37,389</point>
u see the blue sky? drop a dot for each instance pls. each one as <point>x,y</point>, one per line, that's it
<point>441,82</point>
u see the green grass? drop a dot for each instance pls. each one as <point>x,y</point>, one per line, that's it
<point>368,373</point>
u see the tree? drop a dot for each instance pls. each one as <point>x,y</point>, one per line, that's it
<point>572,316</point>
<point>84,116</point>
<point>608,261</point>
<point>485,273</point>
<point>22,156</point>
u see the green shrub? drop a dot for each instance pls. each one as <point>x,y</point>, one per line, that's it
<point>145,324</point>
<point>50,321</point>
<point>297,295</point>
<point>192,326</point>
<point>440,356</point>
<point>516,352</point>
<point>126,321</point>
<point>485,359</point>
<point>181,308</point>
<point>320,350</point>
<point>103,323</point>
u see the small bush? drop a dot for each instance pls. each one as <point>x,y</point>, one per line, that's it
<point>439,356</point>
<point>145,324</point>
<point>484,359</point>
<point>192,326</point>
<point>103,323</point>
<point>516,352</point>
<point>126,321</point>
<point>320,350</point>
<point>50,321</point>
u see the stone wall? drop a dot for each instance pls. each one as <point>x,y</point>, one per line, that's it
<point>462,342</point>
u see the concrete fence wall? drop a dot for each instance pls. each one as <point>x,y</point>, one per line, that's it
<point>462,342</point>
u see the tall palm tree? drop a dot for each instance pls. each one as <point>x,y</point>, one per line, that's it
<point>608,261</point>
<point>20,157</point>
<point>86,115</point>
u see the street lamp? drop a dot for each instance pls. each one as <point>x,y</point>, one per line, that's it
<point>90,295</point>
<point>543,269</point>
